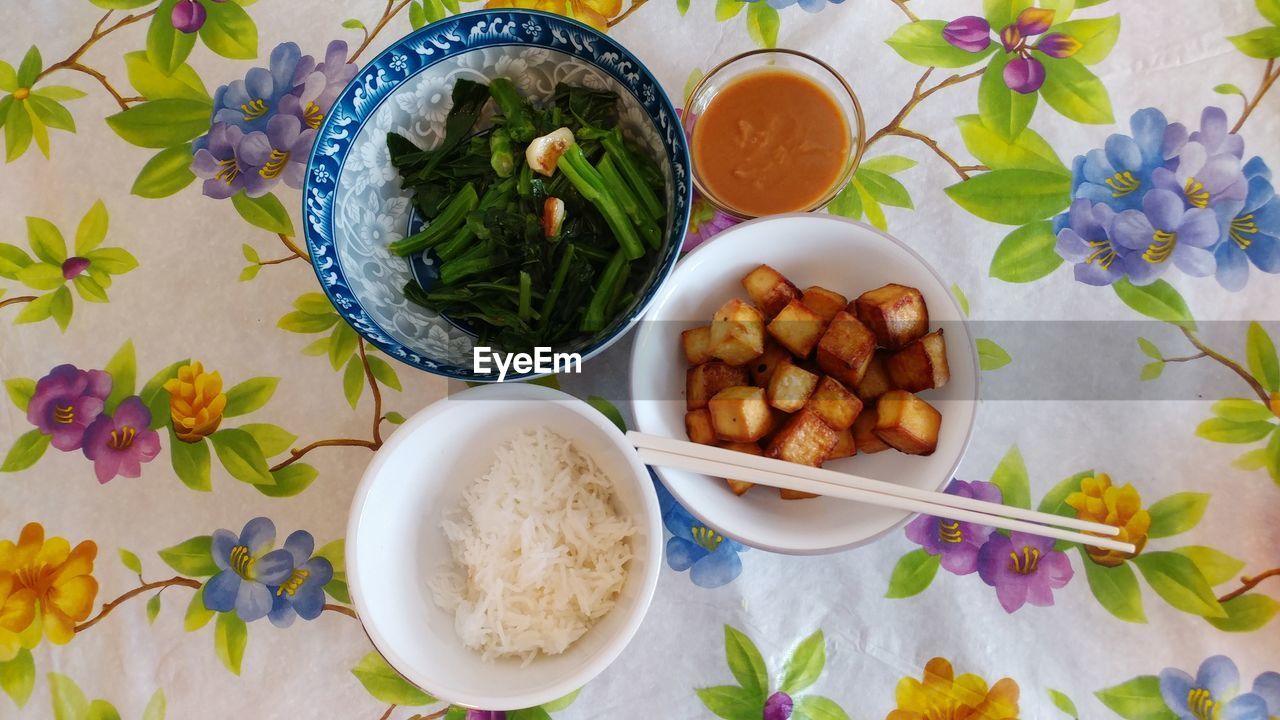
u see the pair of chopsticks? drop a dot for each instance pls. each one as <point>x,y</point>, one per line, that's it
<point>719,462</point>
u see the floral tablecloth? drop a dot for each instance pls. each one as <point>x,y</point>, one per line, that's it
<point>186,417</point>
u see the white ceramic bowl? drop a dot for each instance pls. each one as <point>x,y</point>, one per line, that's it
<point>810,249</point>
<point>395,544</point>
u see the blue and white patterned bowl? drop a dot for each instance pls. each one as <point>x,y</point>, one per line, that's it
<point>353,203</point>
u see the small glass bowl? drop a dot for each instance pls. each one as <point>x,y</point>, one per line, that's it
<point>779,59</point>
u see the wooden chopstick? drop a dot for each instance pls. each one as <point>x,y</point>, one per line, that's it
<point>776,473</point>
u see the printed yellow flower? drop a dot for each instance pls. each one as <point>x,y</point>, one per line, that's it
<point>1098,500</point>
<point>595,13</point>
<point>60,579</point>
<point>17,611</point>
<point>943,696</point>
<point>196,402</point>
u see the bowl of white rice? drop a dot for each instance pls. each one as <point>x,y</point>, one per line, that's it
<point>504,546</point>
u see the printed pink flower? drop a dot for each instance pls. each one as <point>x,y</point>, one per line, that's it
<point>120,443</point>
<point>66,401</point>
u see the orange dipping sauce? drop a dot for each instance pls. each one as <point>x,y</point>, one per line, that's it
<point>771,141</point>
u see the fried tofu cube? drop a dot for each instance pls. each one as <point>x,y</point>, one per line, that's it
<point>823,301</point>
<point>790,387</point>
<point>762,367</point>
<point>797,328</point>
<point>895,313</point>
<point>834,404</point>
<point>740,414</point>
<point>697,345</point>
<point>737,333</point>
<point>786,494</point>
<point>845,447</point>
<point>907,423</point>
<point>876,381</point>
<point>846,348</point>
<point>740,487</point>
<point>697,425</point>
<point>864,433</point>
<point>768,289</point>
<point>921,365</point>
<point>805,439</point>
<point>704,381</point>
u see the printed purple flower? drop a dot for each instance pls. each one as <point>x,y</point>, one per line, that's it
<point>778,706</point>
<point>280,153</point>
<point>1165,230</point>
<point>221,163</point>
<point>1250,230</point>
<point>1214,692</point>
<point>1057,45</point>
<point>969,33</point>
<point>1033,21</point>
<point>1207,170</point>
<point>73,267</point>
<point>1214,134</point>
<point>1086,241</point>
<point>188,16</point>
<point>66,402</point>
<point>1119,173</point>
<point>301,593</point>
<point>1024,74</point>
<point>315,87</point>
<point>249,103</point>
<point>957,542</point>
<point>705,221</point>
<point>1023,569</point>
<point>812,6</point>
<point>247,566</point>
<point>486,715</point>
<point>118,444</point>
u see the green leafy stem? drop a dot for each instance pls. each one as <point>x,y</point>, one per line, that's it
<point>918,95</point>
<point>1206,351</point>
<point>100,30</point>
<point>1249,582</point>
<point>1269,77</point>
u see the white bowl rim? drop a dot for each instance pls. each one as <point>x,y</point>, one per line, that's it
<point>611,649</point>
<point>803,549</point>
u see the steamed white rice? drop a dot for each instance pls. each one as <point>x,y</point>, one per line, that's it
<point>540,553</point>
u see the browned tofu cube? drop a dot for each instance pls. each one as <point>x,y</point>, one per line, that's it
<point>740,487</point>
<point>908,423</point>
<point>704,381</point>
<point>876,381</point>
<point>769,290</point>
<point>834,403</point>
<point>823,301</point>
<point>845,447</point>
<point>805,439</point>
<point>920,365</point>
<point>797,328</point>
<point>895,313</point>
<point>846,348</point>
<point>697,345</point>
<point>763,366</point>
<point>786,494</point>
<point>737,333</point>
<point>864,433</point>
<point>790,387</point>
<point>779,418</point>
<point>697,425</point>
<point>740,414</point>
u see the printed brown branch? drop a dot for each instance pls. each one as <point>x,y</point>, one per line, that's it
<point>17,299</point>
<point>387,714</point>
<point>284,259</point>
<point>72,61</point>
<point>918,95</point>
<point>1269,77</point>
<point>433,716</point>
<point>293,247</point>
<point>635,5</point>
<point>1249,583</point>
<point>1230,364</point>
<point>902,5</point>
<point>1185,358</point>
<point>393,9</point>
<point>177,580</point>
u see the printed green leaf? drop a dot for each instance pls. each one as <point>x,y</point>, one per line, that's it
<point>395,418</point>
<point>89,289</point>
<point>1226,431</point>
<point>1011,477</point>
<point>167,47</point>
<point>1176,579</point>
<point>1097,37</point>
<point>249,395</point>
<point>452,5</point>
<point>153,84</point>
<point>1262,43</point>
<point>1177,513</point>
<point>25,452</point>
<point>300,322</point>
<point>230,635</point>
<point>12,259</point>
<point>17,131</point>
<point>155,707</point>
<point>561,703</point>
<point>165,173</point>
<point>875,214</point>
<point>123,369</point>
<point>18,677</point>
<point>1013,197</point>
<point>1246,613</point>
<point>1151,370</point>
<point>230,32</point>
<point>41,276</point>
<point>385,684</point>
<point>610,411</point>
<point>1216,566</point>
<point>1137,699</point>
<point>1062,9</point>
<point>335,553</point>
<point>192,557</point>
<point>884,188</point>
<point>240,455</point>
<point>61,93</point>
<point>817,707</point>
<point>266,212</point>
<point>1270,9</point>
<point>35,311</point>
<point>8,79</point>
<point>273,439</point>
<point>1063,703</point>
<point>805,664</point>
<point>20,391</point>
<point>1260,353</point>
<point>726,9</point>
<point>30,67</point>
<point>1229,89</point>
<point>417,17</point>
<point>314,304</point>
<point>1149,349</point>
<point>731,702</point>
<point>289,480</point>
<point>161,123</point>
<point>890,164</point>
<point>1003,12</point>
<point>69,702</point>
<point>1005,111</point>
<point>1028,151</point>
<point>682,6</point>
<point>353,382</point>
<point>1241,410</point>
<point>130,561</point>
<point>46,241</point>
<point>191,462</point>
<point>153,608</point>
<point>342,344</point>
<point>960,298</point>
<point>51,113</point>
<point>102,710</point>
<point>990,355</point>
<point>1055,501</point>
<point>1026,254</point>
<point>762,24</point>
<point>250,254</point>
<point>355,24</point>
<point>846,203</point>
<point>1159,300</point>
<point>315,349</point>
<point>1116,589</point>
<point>1273,457</point>
<point>746,664</point>
<point>913,573</point>
<point>384,373</point>
<point>921,43</point>
<point>1075,92</point>
<point>113,261</point>
<point>197,615</point>
<point>156,398</point>
<point>1253,460</point>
